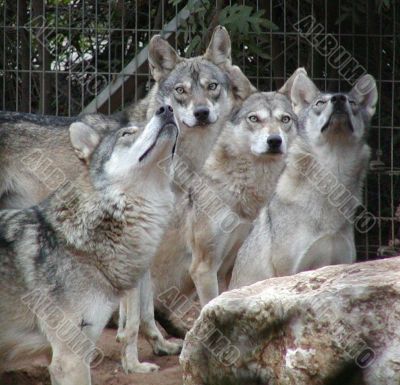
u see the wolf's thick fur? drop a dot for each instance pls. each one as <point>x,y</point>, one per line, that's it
<point>309,221</point>
<point>36,158</point>
<point>31,149</point>
<point>83,246</point>
<point>238,179</point>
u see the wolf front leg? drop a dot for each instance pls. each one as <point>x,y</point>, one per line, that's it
<point>130,359</point>
<point>205,275</point>
<point>160,345</point>
<point>122,319</point>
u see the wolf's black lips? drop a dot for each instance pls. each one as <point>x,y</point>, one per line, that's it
<point>147,152</point>
<point>202,124</point>
<point>168,124</point>
<point>274,152</point>
<point>337,114</point>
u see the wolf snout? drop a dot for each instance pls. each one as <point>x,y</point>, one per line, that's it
<point>202,114</point>
<point>339,102</point>
<point>166,114</point>
<point>165,111</point>
<point>274,143</point>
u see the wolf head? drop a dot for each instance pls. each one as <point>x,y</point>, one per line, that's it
<point>334,117</point>
<point>202,89</point>
<point>116,157</point>
<point>265,125</point>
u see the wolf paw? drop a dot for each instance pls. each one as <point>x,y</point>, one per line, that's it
<point>120,336</point>
<point>139,367</point>
<point>167,348</point>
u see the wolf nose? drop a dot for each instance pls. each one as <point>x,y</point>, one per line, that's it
<point>338,99</point>
<point>274,142</point>
<point>201,114</point>
<point>165,111</point>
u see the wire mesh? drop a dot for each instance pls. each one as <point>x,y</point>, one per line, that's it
<point>63,57</point>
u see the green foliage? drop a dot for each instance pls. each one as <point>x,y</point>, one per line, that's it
<point>243,19</point>
<point>246,25</point>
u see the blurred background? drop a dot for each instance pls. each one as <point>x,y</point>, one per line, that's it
<point>66,57</point>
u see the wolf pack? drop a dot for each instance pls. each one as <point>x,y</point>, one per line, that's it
<point>205,185</point>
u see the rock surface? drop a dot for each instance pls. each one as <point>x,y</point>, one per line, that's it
<point>339,325</point>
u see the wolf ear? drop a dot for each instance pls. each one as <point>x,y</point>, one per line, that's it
<point>286,89</point>
<point>366,94</point>
<point>241,86</point>
<point>303,92</point>
<point>162,58</point>
<point>84,140</point>
<point>219,49</point>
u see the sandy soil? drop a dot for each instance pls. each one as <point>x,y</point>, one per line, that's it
<point>109,372</point>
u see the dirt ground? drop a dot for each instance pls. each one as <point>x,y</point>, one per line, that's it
<point>110,372</point>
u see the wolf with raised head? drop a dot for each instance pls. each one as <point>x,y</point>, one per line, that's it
<point>66,262</point>
<point>309,223</point>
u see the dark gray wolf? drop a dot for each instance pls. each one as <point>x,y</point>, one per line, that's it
<point>66,262</point>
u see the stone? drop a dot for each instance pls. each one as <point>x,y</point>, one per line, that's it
<point>335,325</point>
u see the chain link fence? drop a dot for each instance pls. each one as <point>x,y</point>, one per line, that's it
<point>65,57</point>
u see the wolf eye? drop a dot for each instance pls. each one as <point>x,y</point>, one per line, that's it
<point>352,102</point>
<point>212,86</point>
<point>179,90</point>
<point>129,131</point>
<point>320,102</point>
<point>253,118</point>
<point>285,119</point>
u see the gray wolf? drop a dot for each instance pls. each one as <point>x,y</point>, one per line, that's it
<point>84,246</point>
<point>309,221</point>
<point>200,92</point>
<point>203,91</point>
<point>36,157</point>
<point>240,176</point>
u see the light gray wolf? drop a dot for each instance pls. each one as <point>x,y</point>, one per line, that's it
<point>309,221</point>
<point>66,262</point>
<point>238,179</point>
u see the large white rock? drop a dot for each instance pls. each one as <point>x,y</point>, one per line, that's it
<point>338,325</point>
